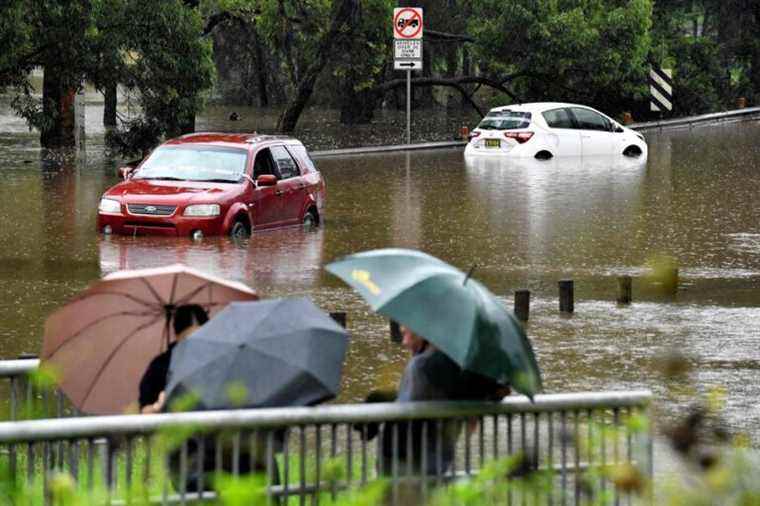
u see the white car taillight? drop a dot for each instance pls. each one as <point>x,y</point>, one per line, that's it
<point>520,137</point>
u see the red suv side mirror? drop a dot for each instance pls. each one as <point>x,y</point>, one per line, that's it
<point>266,180</point>
<point>126,172</point>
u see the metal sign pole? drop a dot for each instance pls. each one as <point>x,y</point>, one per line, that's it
<point>407,51</point>
<point>408,106</point>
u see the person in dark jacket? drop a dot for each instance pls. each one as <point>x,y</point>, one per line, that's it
<point>186,319</point>
<point>430,375</point>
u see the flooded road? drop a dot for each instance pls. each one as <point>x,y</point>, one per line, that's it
<point>522,225</point>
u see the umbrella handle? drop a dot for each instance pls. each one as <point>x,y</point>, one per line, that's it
<point>169,310</point>
<point>469,274</point>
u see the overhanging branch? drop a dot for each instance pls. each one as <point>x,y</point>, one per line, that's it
<point>454,82</point>
<point>447,37</point>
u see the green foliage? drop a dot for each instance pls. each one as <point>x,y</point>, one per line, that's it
<point>589,51</point>
<point>698,76</point>
<point>241,490</point>
<point>168,63</point>
<point>16,41</point>
<point>153,47</point>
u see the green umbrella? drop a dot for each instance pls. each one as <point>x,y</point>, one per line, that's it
<point>460,316</point>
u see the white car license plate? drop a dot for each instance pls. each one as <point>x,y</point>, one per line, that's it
<point>493,143</point>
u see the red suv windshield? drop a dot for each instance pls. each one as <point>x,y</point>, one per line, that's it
<point>194,163</point>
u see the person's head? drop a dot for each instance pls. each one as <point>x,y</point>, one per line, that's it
<point>187,318</point>
<point>411,341</point>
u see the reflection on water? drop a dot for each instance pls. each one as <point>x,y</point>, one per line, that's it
<point>522,224</point>
<point>559,213</point>
<point>290,256</point>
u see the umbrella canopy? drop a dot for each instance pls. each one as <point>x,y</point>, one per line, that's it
<point>100,343</point>
<point>280,352</point>
<point>460,316</point>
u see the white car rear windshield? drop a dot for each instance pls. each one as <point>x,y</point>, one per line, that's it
<point>505,120</point>
<point>194,163</point>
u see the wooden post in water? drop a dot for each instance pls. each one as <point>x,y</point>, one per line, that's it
<point>339,317</point>
<point>396,336</point>
<point>522,305</point>
<point>624,290</point>
<point>566,295</point>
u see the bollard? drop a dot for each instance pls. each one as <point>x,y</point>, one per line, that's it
<point>670,280</point>
<point>339,317</point>
<point>464,133</point>
<point>522,305</point>
<point>624,290</point>
<point>627,118</point>
<point>566,295</point>
<point>395,332</point>
<point>741,103</point>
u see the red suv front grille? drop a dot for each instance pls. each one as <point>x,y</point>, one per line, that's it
<point>151,210</point>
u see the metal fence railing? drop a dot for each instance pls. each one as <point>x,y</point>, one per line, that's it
<point>22,398</point>
<point>311,453</point>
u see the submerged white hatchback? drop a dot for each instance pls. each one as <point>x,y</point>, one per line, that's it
<point>543,130</point>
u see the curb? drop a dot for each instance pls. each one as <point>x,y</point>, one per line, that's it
<point>387,149</point>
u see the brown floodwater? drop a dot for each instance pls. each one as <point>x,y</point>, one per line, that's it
<point>524,225</point>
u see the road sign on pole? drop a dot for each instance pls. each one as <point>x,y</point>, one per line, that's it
<point>407,23</point>
<point>661,88</point>
<point>407,51</point>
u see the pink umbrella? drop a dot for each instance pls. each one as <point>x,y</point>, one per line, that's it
<point>100,343</point>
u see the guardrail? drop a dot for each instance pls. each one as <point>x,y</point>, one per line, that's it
<point>572,436</point>
<point>745,114</point>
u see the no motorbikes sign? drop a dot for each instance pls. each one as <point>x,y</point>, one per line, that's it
<point>407,35</point>
<point>407,23</point>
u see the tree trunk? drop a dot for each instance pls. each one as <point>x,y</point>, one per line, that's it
<point>261,73</point>
<point>465,71</point>
<point>58,105</point>
<point>187,125</point>
<point>357,108</point>
<point>342,14</point>
<point>753,28</point>
<point>425,95</point>
<point>109,106</point>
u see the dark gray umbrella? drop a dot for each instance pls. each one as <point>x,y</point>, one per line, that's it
<point>280,352</point>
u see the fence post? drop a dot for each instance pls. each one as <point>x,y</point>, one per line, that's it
<point>624,290</point>
<point>566,295</point>
<point>339,317</point>
<point>522,305</point>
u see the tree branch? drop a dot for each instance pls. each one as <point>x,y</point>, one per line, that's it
<point>454,82</point>
<point>341,14</point>
<point>447,37</point>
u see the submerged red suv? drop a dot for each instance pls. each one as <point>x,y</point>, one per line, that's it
<point>215,183</point>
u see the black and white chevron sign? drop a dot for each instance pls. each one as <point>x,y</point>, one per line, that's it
<point>661,88</point>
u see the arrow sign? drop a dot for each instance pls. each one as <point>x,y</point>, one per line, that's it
<point>407,64</point>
